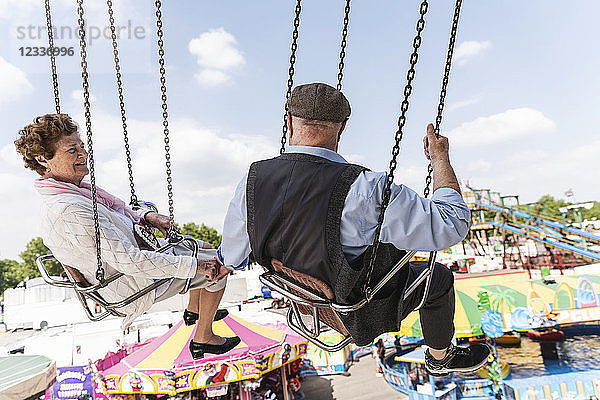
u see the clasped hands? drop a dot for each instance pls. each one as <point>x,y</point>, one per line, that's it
<point>212,269</point>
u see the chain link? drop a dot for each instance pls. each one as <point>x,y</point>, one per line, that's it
<point>113,35</point>
<point>340,75</point>
<point>290,81</point>
<point>447,67</point>
<point>52,56</point>
<point>165,114</point>
<point>88,126</point>
<point>410,75</point>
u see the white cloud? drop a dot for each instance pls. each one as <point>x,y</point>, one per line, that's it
<point>464,103</point>
<point>212,77</point>
<point>206,168</point>
<point>13,82</point>
<point>479,165</point>
<point>216,55</point>
<point>534,173</point>
<point>412,176</point>
<point>500,128</point>
<point>469,49</point>
<point>19,211</point>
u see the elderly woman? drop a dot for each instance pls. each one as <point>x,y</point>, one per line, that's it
<point>51,146</point>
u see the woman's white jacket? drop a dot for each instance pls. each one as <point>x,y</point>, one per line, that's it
<point>68,231</point>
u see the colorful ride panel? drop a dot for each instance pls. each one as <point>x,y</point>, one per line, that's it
<point>523,303</point>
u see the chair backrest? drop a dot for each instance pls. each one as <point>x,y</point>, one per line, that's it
<point>316,286</point>
<point>77,276</point>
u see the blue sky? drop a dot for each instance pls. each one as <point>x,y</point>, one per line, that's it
<point>520,105</point>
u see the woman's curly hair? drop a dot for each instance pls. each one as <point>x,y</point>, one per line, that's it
<point>39,138</point>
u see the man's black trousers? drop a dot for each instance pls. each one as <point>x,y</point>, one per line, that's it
<point>437,314</point>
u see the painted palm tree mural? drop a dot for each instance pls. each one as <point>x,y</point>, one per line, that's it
<point>323,362</point>
<point>505,299</point>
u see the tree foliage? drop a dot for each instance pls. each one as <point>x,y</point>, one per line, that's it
<point>202,232</point>
<point>549,206</point>
<point>12,272</point>
<point>33,250</point>
<point>8,274</point>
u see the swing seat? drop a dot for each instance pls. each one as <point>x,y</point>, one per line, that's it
<point>315,286</point>
<point>311,296</point>
<point>87,292</point>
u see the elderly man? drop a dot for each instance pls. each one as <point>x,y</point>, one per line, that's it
<point>311,210</point>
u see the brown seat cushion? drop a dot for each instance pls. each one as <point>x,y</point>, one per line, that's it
<point>77,276</point>
<point>313,285</point>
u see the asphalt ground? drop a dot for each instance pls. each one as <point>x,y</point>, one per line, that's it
<point>360,383</point>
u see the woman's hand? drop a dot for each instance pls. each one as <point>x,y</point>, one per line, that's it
<point>208,268</point>
<point>159,221</point>
<point>213,270</point>
<point>222,271</point>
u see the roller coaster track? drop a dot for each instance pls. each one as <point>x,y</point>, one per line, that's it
<point>589,254</point>
<point>537,220</point>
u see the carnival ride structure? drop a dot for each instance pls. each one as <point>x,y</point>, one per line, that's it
<point>565,246</point>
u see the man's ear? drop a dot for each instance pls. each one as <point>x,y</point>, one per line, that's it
<point>289,123</point>
<point>342,129</point>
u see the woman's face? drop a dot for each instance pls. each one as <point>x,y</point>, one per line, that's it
<point>69,163</point>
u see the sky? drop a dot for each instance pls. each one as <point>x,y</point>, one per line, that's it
<point>519,111</point>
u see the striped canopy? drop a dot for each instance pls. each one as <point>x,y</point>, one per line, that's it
<point>165,365</point>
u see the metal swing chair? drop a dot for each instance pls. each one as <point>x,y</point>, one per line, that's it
<point>85,291</point>
<point>313,297</point>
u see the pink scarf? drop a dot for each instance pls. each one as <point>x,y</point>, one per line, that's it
<point>51,186</point>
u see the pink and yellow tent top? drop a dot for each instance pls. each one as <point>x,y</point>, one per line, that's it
<point>165,365</point>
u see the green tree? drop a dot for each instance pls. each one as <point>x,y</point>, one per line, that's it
<point>33,250</point>
<point>548,206</point>
<point>8,274</point>
<point>202,232</point>
<point>592,213</point>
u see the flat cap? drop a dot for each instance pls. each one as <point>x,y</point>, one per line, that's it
<point>318,101</point>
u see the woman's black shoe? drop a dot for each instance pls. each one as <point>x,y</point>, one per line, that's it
<point>198,349</point>
<point>220,314</point>
<point>190,318</point>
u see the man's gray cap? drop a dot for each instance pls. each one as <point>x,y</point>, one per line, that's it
<point>318,101</point>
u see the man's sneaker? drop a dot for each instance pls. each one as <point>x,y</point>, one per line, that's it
<point>458,359</point>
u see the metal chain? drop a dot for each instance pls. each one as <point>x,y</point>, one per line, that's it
<point>290,81</point>
<point>52,56</point>
<point>440,109</point>
<point>113,35</point>
<point>165,114</point>
<point>340,75</point>
<point>88,126</point>
<point>414,57</point>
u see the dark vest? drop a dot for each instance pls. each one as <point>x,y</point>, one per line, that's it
<point>294,208</point>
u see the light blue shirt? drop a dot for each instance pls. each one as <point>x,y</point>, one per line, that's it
<point>411,222</point>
